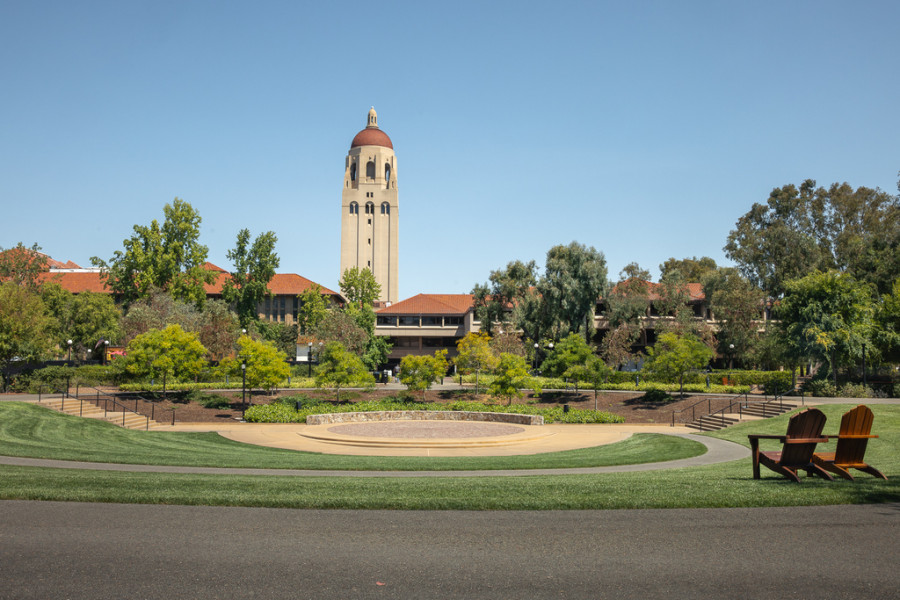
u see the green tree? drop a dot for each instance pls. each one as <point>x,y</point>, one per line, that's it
<point>475,356</point>
<point>574,280</point>
<point>24,325</point>
<point>417,373</point>
<point>283,335</point>
<point>254,267</point>
<point>361,291</point>
<point>84,318</point>
<point>570,351</point>
<point>495,302</point>
<point>692,269</point>
<point>340,368</point>
<point>168,257</point>
<point>802,230</point>
<point>338,326</point>
<point>593,371</point>
<point>829,317</point>
<point>625,308</point>
<point>313,309</point>
<point>168,353</point>
<point>672,356</point>
<point>510,372</point>
<point>22,265</point>
<point>266,365</point>
<point>219,329</point>
<point>359,287</point>
<point>737,306</point>
<point>157,310</point>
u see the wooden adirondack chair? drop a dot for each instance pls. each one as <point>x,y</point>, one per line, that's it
<point>803,433</point>
<point>856,429</point>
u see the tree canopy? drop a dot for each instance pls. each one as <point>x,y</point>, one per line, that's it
<point>673,355</point>
<point>254,267</point>
<point>25,327</point>
<point>418,372</point>
<point>167,257</point>
<point>168,353</point>
<point>340,368</point>
<point>574,280</point>
<point>802,230</point>
<point>21,265</point>
<point>830,317</point>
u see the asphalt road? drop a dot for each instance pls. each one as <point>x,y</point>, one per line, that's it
<point>100,551</point>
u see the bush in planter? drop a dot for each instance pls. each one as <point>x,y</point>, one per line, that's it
<point>656,395</point>
<point>855,390</point>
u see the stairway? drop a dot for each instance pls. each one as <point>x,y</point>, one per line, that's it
<point>83,408</point>
<point>759,410</point>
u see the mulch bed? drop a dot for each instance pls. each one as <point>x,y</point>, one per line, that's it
<point>629,405</point>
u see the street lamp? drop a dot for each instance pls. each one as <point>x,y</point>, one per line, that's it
<point>536,347</point>
<point>730,357</point>
<point>244,384</point>
<point>69,342</point>
<point>105,359</point>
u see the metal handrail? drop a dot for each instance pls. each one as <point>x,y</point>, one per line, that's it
<point>107,398</point>
<point>741,404</point>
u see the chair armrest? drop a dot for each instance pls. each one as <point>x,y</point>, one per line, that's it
<point>763,436</point>
<point>818,440</point>
<point>853,437</point>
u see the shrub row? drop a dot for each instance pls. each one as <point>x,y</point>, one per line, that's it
<point>285,412</point>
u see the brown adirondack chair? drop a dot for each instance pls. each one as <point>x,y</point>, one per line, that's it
<point>856,429</point>
<point>799,443</point>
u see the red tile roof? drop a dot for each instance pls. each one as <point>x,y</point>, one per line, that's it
<point>282,284</point>
<point>431,304</point>
<point>77,282</point>
<point>695,291</point>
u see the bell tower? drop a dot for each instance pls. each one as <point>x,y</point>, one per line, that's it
<point>369,208</point>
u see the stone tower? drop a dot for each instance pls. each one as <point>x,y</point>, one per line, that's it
<point>369,208</point>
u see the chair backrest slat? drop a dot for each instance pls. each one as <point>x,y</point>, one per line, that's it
<point>804,425</point>
<point>856,422</point>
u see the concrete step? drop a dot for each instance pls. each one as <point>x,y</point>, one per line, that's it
<point>768,410</point>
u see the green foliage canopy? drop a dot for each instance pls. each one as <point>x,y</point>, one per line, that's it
<point>254,267</point>
<point>168,257</point>
<point>418,372</point>
<point>170,352</point>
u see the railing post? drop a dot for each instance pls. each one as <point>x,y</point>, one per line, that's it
<point>173,417</point>
<point>77,388</point>
<point>40,392</point>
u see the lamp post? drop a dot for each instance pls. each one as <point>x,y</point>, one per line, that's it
<point>730,357</point>
<point>69,342</point>
<point>309,359</point>
<point>105,352</point>
<point>536,348</point>
<point>244,384</point>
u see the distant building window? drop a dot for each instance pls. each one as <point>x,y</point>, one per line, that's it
<point>370,208</point>
<point>385,208</point>
<point>370,170</point>
<point>431,321</point>
<point>409,321</point>
<point>387,175</point>
<point>453,320</point>
<point>387,321</point>
<point>353,172</point>
<point>354,208</point>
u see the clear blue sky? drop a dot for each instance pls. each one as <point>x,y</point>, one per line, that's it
<point>644,129</point>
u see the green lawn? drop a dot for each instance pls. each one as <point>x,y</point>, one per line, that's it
<point>37,432</point>
<point>724,485</point>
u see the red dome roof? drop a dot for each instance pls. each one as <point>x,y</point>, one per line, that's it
<point>372,136</point>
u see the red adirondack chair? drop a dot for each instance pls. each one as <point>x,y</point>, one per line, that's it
<point>856,429</point>
<point>799,443</point>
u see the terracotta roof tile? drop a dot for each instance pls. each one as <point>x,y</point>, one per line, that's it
<point>431,304</point>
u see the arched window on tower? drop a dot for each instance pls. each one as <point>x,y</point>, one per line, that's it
<point>385,208</point>
<point>370,208</point>
<point>387,175</point>
<point>354,208</point>
<point>353,172</point>
<point>370,170</point>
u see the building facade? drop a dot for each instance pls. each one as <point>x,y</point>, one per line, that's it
<point>369,209</point>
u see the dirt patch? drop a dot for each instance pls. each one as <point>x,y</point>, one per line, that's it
<point>629,405</point>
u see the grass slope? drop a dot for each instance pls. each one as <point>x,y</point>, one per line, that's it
<point>36,432</point>
<point>724,485</point>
